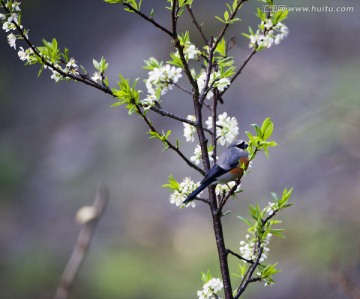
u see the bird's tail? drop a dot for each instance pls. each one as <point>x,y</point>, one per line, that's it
<point>193,194</point>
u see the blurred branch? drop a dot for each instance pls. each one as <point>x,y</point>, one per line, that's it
<point>89,222</point>
<point>344,282</point>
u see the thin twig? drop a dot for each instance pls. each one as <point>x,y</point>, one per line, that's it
<point>145,17</point>
<point>82,245</point>
<point>231,192</point>
<point>248,276</point>
<point>163,112</point>
<point>183,89</point>
<point>172,146</point>
<point>239,70</point>
<point>83,78</point>
<point>239,256</point>
<point>231,17</point>
<point>197,25</point>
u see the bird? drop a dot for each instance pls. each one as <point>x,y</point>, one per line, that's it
<point>229,167</point>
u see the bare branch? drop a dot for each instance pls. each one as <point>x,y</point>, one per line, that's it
<point>82,245</point>
<point>150,20</point>
<point>239,70</point>
<point>197,25</point>
<point>172,146</point>
<point>239,256</point>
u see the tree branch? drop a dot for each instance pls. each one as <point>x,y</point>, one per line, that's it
<point>150,20</point>
<point>173,147</point>
<point>232,16</point>
<point>249,273</point>
<point>197,25</point>
<point>228,251</point>
<point>82,245</point>
<point>239,70</point>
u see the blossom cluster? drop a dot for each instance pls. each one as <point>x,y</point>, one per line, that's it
<point>210,289</point>
<point>184,189</point>
<point>196,158</point>
<point>220,189</point>
<point>215,80</point>
<point>189,130</point>
<point>248,249</point>
<point>162,78</point>
<point>11,22</point>
<point>190,51</point>
<point>226,128</point>
<point>268,34</point>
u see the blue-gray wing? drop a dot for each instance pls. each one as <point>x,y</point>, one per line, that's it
<point>230,158</point>
<point>213,174</point>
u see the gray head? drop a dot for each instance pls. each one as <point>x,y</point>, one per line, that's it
<point>239,144</point>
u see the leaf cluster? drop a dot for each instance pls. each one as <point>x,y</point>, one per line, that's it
<point>127,95</point>
<point>260,142</point>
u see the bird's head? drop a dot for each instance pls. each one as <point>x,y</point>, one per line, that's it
<point>239,144</point>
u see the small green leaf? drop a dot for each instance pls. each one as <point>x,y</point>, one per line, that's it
<point>172,183</point>
<point>245,220</point>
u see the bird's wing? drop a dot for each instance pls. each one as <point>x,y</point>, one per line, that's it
<point>213,174</point>
<point>231,159</point>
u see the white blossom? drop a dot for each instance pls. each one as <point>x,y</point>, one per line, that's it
<point>56,76</point>
<point>162,78</point>
<point>268,24</point>
<point>271,208</point>
<point>96,77</point>
<point>12,40</point>
<point>274,35</point>
<point>221,188</point>
<point>71,67</point>
<point>13,18</point>
<point>7,26</point>
<point>215,80</point>
<point>226,128</point>
<point>185,188</point>
<point>282,32</point>
<point>189,130</point>
<point>190,51</point>
<point>196,158</point>
<point>248,249</point>
<point>24,55</point>
<point>213,286</point>
<point>16,6</point>
<point>148,102</point>
<point>2,16</point>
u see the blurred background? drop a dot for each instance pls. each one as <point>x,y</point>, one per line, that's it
<point>58,142</point>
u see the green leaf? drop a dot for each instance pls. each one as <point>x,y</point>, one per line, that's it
<point>242,269</point>
<point>278,232</point>
<point>221,47</point>
<point>267,128</point>
<point>172,183</point>
<point>205,277</point>
<point>152,63</point>
<point>113,1</point>
<point>245,220</point>
<point>220,19</point>
<point>176,60</point>
<point>226,15</point>
<point>257,130</point>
